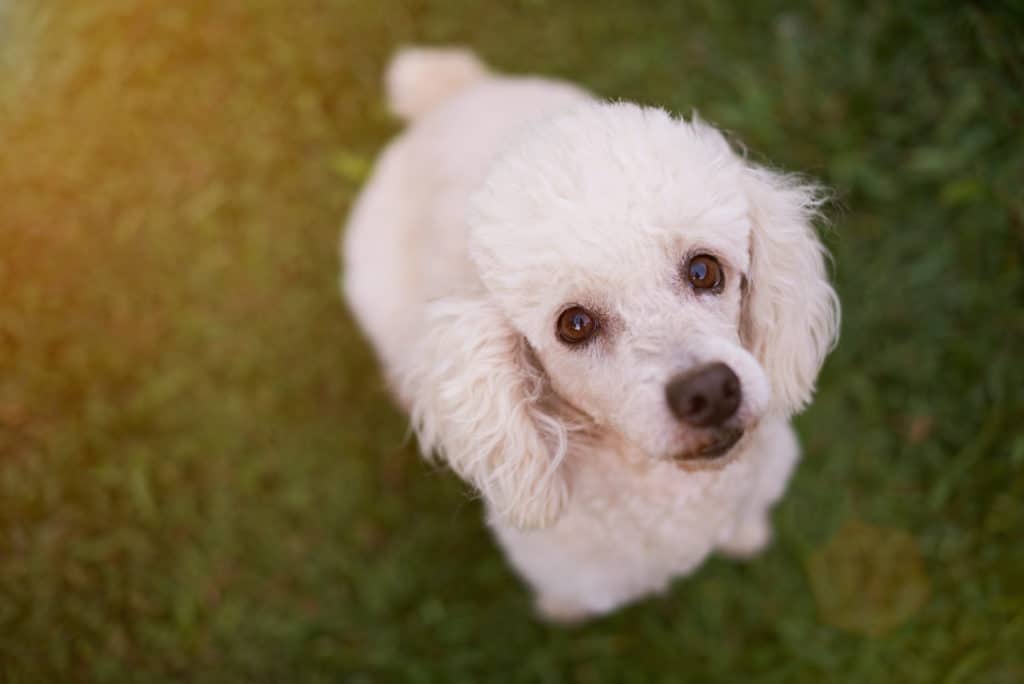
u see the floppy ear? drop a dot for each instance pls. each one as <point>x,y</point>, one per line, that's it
<point>475,400</point>
<point>790,312</point>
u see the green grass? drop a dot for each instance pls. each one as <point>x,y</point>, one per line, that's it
<point>202,479</point>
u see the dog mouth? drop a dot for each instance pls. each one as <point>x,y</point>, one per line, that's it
<point>720,443</point>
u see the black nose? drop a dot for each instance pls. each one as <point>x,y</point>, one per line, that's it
<point>706,396</point>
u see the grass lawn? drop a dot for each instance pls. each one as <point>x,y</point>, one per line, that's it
<point>202,479</point>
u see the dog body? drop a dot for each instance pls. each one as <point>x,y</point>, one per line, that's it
<point>599,316</point>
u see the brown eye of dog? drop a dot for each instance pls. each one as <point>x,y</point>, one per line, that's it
<point>576,325</point>
<point>704,272</point>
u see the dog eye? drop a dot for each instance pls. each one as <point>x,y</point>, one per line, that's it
<point>576,325</point>
<point>704,272</point>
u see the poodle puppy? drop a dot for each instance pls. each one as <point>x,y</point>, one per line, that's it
<point>600,316</point>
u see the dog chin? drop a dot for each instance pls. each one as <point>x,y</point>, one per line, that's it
<point>713,449</point>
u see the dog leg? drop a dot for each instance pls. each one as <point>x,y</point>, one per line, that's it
<point>749,537</point>
<point>561,611</point>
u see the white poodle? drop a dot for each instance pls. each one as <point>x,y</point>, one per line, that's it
<point>600,316</point>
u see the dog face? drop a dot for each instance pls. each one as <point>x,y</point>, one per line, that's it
<point>644,336</point>
<point>641,272</point>
<point>623,245</point>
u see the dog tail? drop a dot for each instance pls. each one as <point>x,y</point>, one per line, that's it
<point>421,78</point>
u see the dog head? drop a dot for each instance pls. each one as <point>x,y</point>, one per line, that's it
<point>636,272</point>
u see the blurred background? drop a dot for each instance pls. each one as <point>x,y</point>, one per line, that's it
<point>202,478</point>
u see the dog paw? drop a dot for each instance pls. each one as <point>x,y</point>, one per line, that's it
<point>749,538</point>
<point>559,611</point>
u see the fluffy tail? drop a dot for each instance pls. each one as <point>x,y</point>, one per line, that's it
<point>419,79</point>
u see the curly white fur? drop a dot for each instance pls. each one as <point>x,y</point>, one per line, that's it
<point>477,403</point>
<point>508,199</point>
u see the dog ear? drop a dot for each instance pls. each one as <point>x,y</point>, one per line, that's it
<point>790,313</point>
<point>475,400</point>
